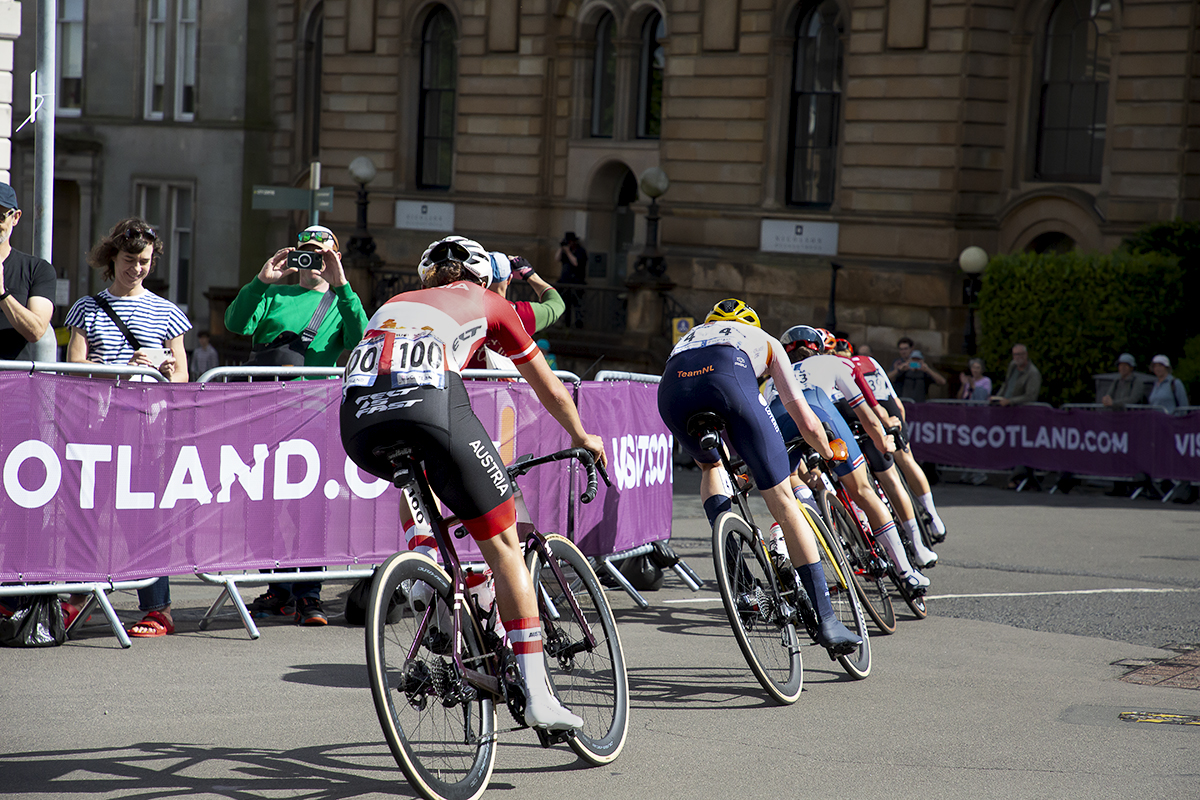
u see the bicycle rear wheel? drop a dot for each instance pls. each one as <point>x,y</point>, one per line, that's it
<point>839,579</point>
<point>868,575</point>
<point>929,534</point>
<point>442,737</point>
<point>590,681</point>
<point>762,625</point>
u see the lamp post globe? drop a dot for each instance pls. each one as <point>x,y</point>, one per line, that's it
<point>362,170</point>
<point>973,260</point>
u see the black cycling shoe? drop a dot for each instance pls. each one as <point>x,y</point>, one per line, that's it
<point>837,638</point>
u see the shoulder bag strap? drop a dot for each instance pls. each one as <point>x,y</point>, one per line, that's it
<point>310,331</point>
<point>108,309</point>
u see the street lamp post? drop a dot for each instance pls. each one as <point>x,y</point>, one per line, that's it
<point>361,246</point>
<point>972,261</point>
<point>654,184</point>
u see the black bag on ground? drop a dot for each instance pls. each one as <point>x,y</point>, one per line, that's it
<point>360,595</point>
<point>37,623</point>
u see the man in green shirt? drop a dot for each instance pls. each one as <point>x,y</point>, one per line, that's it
<point>273,312</point>
<point>267,308</point>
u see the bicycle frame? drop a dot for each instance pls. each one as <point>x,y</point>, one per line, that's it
<point>417,482</point>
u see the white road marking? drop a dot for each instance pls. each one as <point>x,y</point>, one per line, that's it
<point>1068,591</point>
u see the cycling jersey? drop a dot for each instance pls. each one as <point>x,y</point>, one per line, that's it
<point>881,384</point>
<point>860,380</point>
<point>830,374</point>
<point>823,407</point>
<point>716,368</point>
<point>402,386</point>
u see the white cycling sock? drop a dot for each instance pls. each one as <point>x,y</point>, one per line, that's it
<point>890,539</point>
<point>542,709</point>
<point>923,553</point>
<point>926,501</point>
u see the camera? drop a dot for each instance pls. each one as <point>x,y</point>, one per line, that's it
<point>304,259</point>
<point>914,364</point>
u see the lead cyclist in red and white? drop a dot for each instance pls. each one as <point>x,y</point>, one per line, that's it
<point>403,385</point>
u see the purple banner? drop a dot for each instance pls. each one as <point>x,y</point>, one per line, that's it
<point>103,481</point>
<point>1081,441</point>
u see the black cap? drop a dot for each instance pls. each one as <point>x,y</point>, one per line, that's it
<point>569,237</point>
<point>8,197</point>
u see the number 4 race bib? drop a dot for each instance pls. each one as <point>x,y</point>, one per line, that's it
<point>404,358</point>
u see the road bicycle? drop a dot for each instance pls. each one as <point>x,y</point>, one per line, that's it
<point>438,675</point>
<point>766,604</point>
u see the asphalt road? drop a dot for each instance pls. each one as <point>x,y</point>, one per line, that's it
<point>1010,689</point>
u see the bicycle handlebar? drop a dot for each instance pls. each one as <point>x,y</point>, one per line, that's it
<point>525,463</point>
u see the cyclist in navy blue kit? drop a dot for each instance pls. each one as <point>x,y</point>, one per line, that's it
<point>716,368</point>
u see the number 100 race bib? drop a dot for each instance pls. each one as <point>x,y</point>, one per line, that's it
<point>400,359</point>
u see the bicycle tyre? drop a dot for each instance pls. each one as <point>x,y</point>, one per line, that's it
<point>752,605</point>
<point>872,593</point>
<point>592,683</point>
<point>842,596</point>
<point>447,752</point>
<point>924,521</point>
<point>915,602</point>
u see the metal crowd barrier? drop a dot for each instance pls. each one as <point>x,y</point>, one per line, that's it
<point>97,591</point>
<point>609,563</point>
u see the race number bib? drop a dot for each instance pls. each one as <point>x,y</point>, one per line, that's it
<point>392,360</point>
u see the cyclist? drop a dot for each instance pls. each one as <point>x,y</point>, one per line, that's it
<point>402,385</point>
<point>716,368</point>
<point>826,380</point>
<point>892,412</point>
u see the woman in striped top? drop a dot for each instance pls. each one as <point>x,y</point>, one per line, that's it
<point>128,255</point>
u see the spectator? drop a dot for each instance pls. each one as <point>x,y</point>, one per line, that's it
<point>26,286</point>
<point>534,316</point>
<point>1127,389</point>
<point>204,357</point>
<point>1023,382</point>
<point>310,323</point>
<point>1167,392</point>
<point>544,346</point>
<point>128,324</point>
<point>574,259</point>
<point>975,385</point>
<point>910,374</point>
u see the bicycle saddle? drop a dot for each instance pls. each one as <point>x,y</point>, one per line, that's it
<point>704,426</point>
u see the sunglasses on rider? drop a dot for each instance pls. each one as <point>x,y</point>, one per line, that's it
<point>448,251</point>
<point>313,236</point>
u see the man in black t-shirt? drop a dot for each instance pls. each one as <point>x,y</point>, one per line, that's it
<point>26,286</point>
<point>573,258</point>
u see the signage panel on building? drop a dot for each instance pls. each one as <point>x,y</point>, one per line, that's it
<point>416,215</point>
<point>799,236</point>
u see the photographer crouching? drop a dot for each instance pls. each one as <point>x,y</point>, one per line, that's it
<point>308,323</point>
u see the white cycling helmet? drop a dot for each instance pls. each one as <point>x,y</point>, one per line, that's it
<point>465,251</point>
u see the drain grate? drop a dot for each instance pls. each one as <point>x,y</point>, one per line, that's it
<point>1160,719</point>
<point>1180,672</point>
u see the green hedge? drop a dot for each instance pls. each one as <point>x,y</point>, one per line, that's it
<point>1076,312</point>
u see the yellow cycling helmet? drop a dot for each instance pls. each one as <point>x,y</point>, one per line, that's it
<point>733,310</point>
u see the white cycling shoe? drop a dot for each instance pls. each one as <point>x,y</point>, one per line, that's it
<point>916,580</point>
<point>546,712</point>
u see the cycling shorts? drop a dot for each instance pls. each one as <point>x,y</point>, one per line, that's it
<point>721,379</point>
<point>823,407</point>
<point>879,461</point>
<point>461,463</point>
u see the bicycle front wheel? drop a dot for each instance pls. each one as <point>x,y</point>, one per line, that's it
<point>441,732</point>
<point>868,575</point>
<point>589,680</point>
<point>916,602</point>
<point>839,579</point>
<point>762,624</point>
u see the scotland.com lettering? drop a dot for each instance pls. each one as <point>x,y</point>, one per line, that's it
<point>999,436</point>
<point>33,475</point>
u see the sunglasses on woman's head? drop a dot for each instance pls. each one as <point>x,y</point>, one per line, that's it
<point>143,233</point>
<point>313,236</point>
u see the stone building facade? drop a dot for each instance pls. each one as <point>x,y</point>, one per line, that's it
<point>918,127</point>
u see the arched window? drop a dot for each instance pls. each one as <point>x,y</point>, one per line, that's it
<point>604,77</point>
<point>1074,92</point>
<point>815,108</point>
<point>310,85</point>
<point>650,74</point>
<point>435,138</point>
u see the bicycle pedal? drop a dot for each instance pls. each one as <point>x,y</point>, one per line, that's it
<point>549,738</point>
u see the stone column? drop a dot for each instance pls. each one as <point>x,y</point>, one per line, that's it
<point>10,29</point>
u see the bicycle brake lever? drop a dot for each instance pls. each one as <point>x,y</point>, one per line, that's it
<point>604,474</point>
